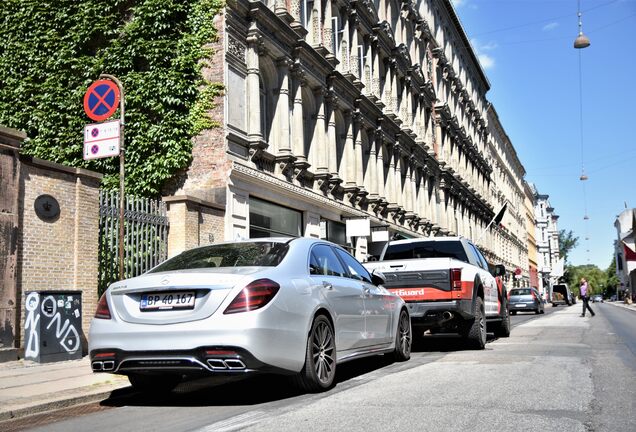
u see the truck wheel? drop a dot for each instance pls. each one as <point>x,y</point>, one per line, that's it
<point>403,338</point>
<point>503,328</point>
<point>474,332</point>
<point>320,358</point>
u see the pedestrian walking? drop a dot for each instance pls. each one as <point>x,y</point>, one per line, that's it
<point>585,298</point>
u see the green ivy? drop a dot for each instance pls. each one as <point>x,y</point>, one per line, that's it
<point>51,51</point>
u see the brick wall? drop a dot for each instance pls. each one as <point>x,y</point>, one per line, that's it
<point>206,177</point>
<point>59,254</point>
<point>193,222</point>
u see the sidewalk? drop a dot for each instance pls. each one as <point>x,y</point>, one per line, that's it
<point>28,388</point>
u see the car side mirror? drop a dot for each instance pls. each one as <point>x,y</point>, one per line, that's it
<point>498,270</point>
<point>377,278</point>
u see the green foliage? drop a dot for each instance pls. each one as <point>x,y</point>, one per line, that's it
<point>567,242</point>
<point>599,281</point>
<point>51,51</point>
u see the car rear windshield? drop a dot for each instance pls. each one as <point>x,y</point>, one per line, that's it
<point>515,292</point>
<point>426,249</point>
<point>267,254</point>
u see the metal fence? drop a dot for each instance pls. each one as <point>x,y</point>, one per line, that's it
<point>145,236</point>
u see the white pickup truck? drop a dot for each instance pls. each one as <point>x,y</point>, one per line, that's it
<point>448,286</point>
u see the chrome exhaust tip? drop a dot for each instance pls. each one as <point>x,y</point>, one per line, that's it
<point>108,365</point>
<point>447,315</point>
<point>217,364</point>
<point>235,364</point>
<point>97,366</point>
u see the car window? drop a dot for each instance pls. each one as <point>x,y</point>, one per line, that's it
<point>323,261</point>
<point>356,271</point>
<point>475,255</point>
<point>480,258</point>
<point>243,254</point>
<point>524,291</point>
<point>426,249</point>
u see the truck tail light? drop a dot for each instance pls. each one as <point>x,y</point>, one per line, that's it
<point>456,279</point>
<point>254,296</point>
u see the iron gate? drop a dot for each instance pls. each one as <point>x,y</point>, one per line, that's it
<point>145,236</point>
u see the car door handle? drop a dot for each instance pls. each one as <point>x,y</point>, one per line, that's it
<point>327,285</point>
<point>366,291</point>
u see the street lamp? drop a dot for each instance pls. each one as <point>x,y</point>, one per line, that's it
<point>581,40</point>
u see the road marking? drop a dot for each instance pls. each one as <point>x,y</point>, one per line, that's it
<point>234,423</point>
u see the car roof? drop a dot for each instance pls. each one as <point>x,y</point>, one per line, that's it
<point>419,239</point>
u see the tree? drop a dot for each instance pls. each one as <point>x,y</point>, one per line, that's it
<point>567,242</point>
<point>612,281</point>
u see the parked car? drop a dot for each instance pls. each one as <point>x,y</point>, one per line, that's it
<point>525,300</point>
<point>597,298</point>
<point>291,306</point>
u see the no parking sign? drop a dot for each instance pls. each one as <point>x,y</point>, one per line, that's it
<point>101,99</point>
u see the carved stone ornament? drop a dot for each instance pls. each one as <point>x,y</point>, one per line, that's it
<point>236,48</point>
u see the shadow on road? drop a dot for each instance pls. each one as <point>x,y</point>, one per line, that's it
<point>235,391</point>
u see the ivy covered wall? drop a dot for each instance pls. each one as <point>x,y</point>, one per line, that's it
<point>51,51</point>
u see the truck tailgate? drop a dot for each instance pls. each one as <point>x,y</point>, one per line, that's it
<point>417,286</point>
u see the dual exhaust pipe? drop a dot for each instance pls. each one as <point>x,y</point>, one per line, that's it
<point>103,366</point>
<point>226,364</point>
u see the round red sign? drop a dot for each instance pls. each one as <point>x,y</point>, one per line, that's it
<point>101,99</point>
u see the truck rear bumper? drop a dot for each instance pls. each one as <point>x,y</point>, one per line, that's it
<point>433,314</point>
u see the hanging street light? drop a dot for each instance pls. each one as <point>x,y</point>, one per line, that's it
<point>581,40</point>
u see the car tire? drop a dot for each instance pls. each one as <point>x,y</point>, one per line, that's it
<point>319,370</point>
<point>474,332</point>
<point>503,328</point>
<point>403,338</point>
<point>153,383</point>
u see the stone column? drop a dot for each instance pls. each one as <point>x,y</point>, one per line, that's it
<point>282,115</point>
<point>357,128</point>
<point>375,72</point>
<point>327,30</point>
<point>371,179</point>
<point>391,196</point>
<point>253,89</point>
<point>355,58</point>
<point>318,145</point>
<point>349,157</point>
<point>298,132</point>
<point>379,143</point>
<point>331,146</point>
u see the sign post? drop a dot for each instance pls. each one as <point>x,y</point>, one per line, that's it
<point>100,102</point>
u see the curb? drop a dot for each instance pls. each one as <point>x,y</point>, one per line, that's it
<point>622,305</point>
<point>54,405</point>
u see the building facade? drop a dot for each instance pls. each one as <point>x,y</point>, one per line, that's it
<point>547,239</point>
<point>510,238</point>
<point>625,247</point>
<point>531,226</point>
<point>339,111</point>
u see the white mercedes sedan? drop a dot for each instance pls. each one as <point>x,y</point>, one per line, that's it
<point>295,307</point>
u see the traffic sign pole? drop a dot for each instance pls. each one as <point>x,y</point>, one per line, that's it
<point>122,197</point>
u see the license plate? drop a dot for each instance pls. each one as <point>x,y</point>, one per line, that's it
<point>520,305</point>
<point>167,300</point>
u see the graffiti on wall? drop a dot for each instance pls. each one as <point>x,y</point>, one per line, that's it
<point>56,315</point>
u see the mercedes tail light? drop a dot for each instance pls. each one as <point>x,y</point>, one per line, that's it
<point>102,311</point>
<point>254,296</point>
<point>456,279</point>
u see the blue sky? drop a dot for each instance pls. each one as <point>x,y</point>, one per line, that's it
<point>526,50</point>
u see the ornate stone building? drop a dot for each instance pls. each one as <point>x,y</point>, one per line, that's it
<point>510,238</point>
<point>338,110</point>
<point>547,238</point>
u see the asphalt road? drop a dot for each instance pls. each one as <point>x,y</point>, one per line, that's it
<point>557,372</point>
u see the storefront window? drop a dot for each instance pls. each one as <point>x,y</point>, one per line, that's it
<point>335,232</point>
<point>271,220</point>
